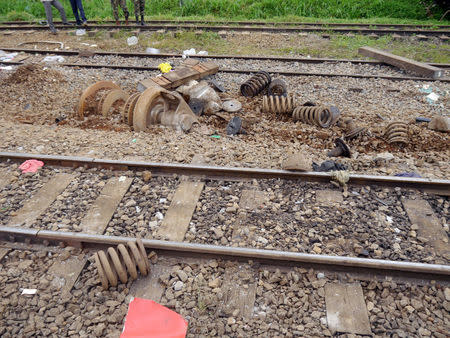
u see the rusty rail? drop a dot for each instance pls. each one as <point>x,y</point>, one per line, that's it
<point>216,172</point>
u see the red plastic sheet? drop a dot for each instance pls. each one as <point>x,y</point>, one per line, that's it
<point>31,166</point>
<point>146,318</point>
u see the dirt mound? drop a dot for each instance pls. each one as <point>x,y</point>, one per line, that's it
<point>34,73</point>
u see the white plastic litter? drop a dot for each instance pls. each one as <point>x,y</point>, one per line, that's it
<point>7,56</point>
<point>189,51</point>
<point>433,97</point>
<point>150,50</point>
<point>122,178</point>
<point>53,58</point>
<point>29,291</point>
<point>159,215</point>
<point>80,32</point>
<point>132,40</point>
<point>202,52</point>
<point>6,68</point>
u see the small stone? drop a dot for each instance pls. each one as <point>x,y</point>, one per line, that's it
<point>424,332</point>
<point>317,249</point>
<point>178,286</point>
<point>447,294</point>
<point>182,275</point>
<point>396,247</point>
<point>320,275</point>
<point>146,176</point>
<point>231,321</point>
<point>130,203</point>
<point>370,306</point>
<point>215,283</point>
<point>409,308</point>
<point>262,240</point>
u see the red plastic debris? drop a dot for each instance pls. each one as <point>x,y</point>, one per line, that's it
<point>31,166</point>
<point>146,318</point>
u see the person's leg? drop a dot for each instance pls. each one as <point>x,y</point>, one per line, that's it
<point>81,9</point>
<point>136,11</point>
<point>114,5</point>
<point>60,8</point>
<point>49,15</point>
<point>142,8</point>
<point>123,5</point>
<point>73,4</point>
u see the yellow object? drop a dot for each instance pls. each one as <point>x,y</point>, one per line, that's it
<point>165,67</point>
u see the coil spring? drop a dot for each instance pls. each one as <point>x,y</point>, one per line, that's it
<point>277,88</point>
<point>320,116</point>
<point>255,84</point>
<point>396,132</point>
<point>277,104</point>
<point>117,262</point>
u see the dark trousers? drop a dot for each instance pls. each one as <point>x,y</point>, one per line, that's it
<point>77,5</point>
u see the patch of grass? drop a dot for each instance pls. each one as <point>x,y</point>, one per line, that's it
<point>380,11</point>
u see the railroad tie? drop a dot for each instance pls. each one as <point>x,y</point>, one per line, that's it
<point>346,309</point>
<point>39,202</point>
<point>421,214</point>
<point>95,222</point>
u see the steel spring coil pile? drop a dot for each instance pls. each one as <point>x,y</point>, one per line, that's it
<point>277,104</point>
<point>318,115</point>
<point>119,263</point>
<point>255,84</point>
<point>396,132</point>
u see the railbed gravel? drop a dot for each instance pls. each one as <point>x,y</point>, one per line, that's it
<point>370,222</point>
<point>269,137</point>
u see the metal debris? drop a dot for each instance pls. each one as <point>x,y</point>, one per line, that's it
<point>341,149</point>
<point>278,104</point>
<point>277,88</point>
<point>320,116</point>
<point>396,132</point>
<point>256,84</point>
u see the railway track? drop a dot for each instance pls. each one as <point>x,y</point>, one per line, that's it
<point>254,23</point>
<point>245,284</point>
<point>269,29</point>
<point>246,71</point>
<point>243,57</point>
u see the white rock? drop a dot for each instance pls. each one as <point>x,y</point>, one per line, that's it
<point>132,40</point>
<point>178,285</point>
<point>159,216</point>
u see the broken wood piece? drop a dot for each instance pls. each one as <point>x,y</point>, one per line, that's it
<point>346,309</point>
<point>402,62</point>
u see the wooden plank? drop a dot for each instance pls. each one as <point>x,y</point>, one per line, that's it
<point>419,212</point>
<point>328,196</point>
<point>5,178</point>
<point>239,292</point>
<point>149,287</point>
<point>179,214</point>
<point>3,252</point>
<point>402,62</point>
<point>98,217</point>
<point>65,273</point>
<point>252,199</point>
<point>37,204</point>
<point>346,309</point>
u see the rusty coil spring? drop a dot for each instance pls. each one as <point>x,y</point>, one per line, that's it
<point>277,104</point>
<point>320,116</point>
<point>277,88</point>
<point>117,262</point>
<point>255,84</point>
<point>396,132</point>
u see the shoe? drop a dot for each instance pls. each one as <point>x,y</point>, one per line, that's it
<point>53,31</point>
<point>85,23</point>
<point>142,21</point>
<point>137,21</point>
<point>79,24</point>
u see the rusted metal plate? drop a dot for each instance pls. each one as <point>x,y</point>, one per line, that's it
<point>38,203</point>
<point>402,62</point>
<point>179,214</point>
<point>419,212</point>
<point>346,309</point>
<point>65,273</point>
<point>239,292</point>
<point>98,217</point>
<point>252,199</point>
<point>149,287</point>
<point>328,196</point>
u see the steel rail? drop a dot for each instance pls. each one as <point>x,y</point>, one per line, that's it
<point>248,23</point>
<point>249,71</point>
<point>183,249</point>
<point>243,57</point>
<point>241,29</point>
<point>216,172</point>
